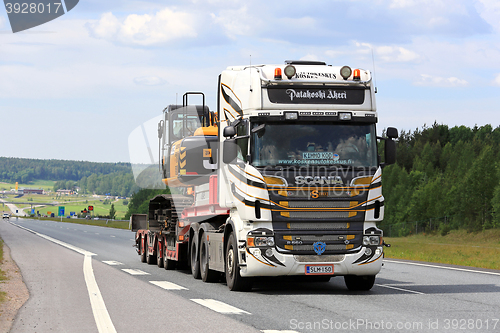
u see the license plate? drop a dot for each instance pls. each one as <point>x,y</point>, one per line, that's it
<point>319,269</point>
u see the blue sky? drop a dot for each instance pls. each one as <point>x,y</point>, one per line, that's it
<point>76,87</point>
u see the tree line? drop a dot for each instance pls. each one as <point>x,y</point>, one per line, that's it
<point>24,170</point>
<point>91,177</point>
<point>445,178</point>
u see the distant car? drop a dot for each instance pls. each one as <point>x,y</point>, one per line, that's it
<point>96,218</point>
<point>6,215</point>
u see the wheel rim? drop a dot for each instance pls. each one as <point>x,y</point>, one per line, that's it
<point>230,259</point>
<point>193,254</point>
<point>158,252</point>
<point>165,254</point>
<point>203,255</point>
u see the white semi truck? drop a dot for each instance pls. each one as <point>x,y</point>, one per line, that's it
<point>283,180</point>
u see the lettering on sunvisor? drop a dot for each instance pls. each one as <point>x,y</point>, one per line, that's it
<point>340,95</point>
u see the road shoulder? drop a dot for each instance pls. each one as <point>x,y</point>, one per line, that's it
<point>14,287</point>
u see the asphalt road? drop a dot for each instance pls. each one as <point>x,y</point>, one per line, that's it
<point>407,297</point>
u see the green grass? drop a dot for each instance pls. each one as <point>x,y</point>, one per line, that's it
<point>459,247</point>
<point>2,274</point>
<point>44,184</point>
<point>71,204</point>
<point>100,222</point>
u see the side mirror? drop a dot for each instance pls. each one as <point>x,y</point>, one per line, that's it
<point>392,133</point>
<point>229,131</point>
<point>230,150</point>
<point>390,151</point>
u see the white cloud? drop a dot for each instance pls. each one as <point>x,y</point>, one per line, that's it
<point>437,81</point>
<point>149,81</point>
<point>388,53</point>
<point>237,22</point>
<point>310,57</point>
<point>160,28</point>
<point>490,12</point>
<point>496,82</point>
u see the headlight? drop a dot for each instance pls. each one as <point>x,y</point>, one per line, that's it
<point>371,240</point>
<point>260,241</point>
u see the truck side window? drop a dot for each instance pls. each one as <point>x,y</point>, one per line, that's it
<point>241,130</point>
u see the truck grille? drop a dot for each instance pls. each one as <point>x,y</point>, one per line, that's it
<point>320,204</point>
<point>318,225</point>
<point>318,215</point>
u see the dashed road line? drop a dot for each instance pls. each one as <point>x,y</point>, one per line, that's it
<point>400,289</point>
<point>219,306</point>
<point>134,271</point>
<point>168,285</point>
<point>112,262</point>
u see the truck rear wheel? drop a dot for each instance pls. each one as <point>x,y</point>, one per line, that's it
<point>143,247</point>
<point>159,254</point>
<point>207,275</point>
<point>359,283</point>
<point>233,278</point>
<point>195,262</point>
<point>150,258</point>
<point>168,264</point>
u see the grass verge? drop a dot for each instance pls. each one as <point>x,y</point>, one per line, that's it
<point>2,274</point>
<point>481,250</point>
<point>100,223</point>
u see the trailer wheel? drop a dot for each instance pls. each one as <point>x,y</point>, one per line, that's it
<point>359,283</point>
<point>233,278</point>
<point>159,257</point>
<point>168,264</point>
<point>150,258</point>
<point>195,262</point>
<point>143,246</point>
<point>207,275</point>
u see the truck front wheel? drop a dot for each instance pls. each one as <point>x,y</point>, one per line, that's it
<point>233,278</point>
<point>359,283</point>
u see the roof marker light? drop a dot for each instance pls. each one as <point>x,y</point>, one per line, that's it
<point>277,73</point>
<point>345,72</point>
<point>357,75</point>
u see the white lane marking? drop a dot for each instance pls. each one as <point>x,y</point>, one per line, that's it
<point>443,267</point>
<point>400,289</point>
<point>112,262</point>
<point>134,271</point>
<point>101,316</point>
<point>168,285</point>
<point>112,236</point>
<point>219,306</point>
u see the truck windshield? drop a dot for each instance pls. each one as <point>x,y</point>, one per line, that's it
<point>314,143</point>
